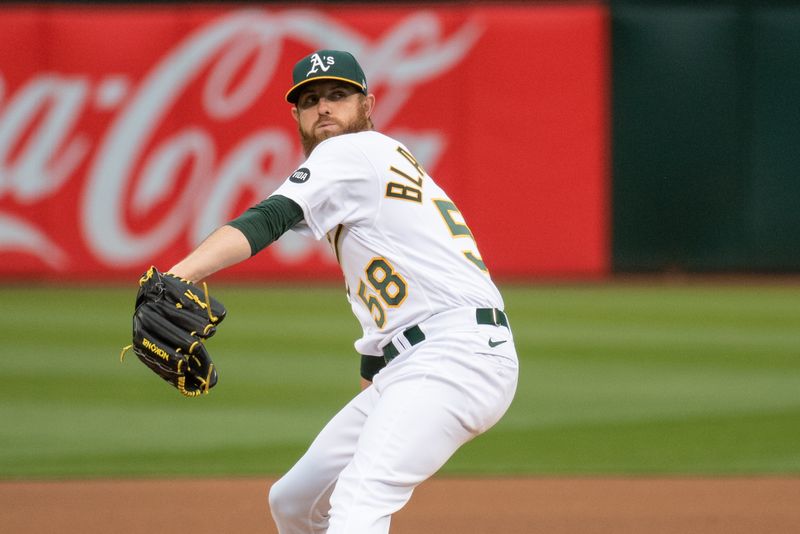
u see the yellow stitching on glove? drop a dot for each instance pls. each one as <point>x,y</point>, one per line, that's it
<point>146,276</point>
<point>124,350</point>
<point>207,381</point>
<point>185,280</point>
<point>191,296</point>
<point>203,305</point>
<point>211,317</point>
<point>184,391</point>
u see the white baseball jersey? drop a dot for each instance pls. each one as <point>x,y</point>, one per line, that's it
<point>404,248</point>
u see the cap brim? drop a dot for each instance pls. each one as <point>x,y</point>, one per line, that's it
<point>293,93</point>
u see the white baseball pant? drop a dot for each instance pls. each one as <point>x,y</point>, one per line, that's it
<point>431,399</point>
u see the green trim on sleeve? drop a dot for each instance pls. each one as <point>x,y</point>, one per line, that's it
<point>267,221</point>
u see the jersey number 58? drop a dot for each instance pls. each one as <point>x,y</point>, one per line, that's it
<point>389,289</point>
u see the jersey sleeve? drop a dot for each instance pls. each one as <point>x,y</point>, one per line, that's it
<point>333,186</point>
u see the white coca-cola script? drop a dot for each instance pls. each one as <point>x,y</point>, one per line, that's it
<point>132,161</point>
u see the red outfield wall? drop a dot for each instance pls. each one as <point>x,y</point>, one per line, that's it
<point>128,133</point>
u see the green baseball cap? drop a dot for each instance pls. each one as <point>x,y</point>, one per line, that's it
<point>326,65</point>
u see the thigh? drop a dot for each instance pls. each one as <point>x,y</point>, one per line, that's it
<point>407,437</point>
<point>431,403</point>
<point>440,397</point>
<point>414,428</point>
<point>308,484</point>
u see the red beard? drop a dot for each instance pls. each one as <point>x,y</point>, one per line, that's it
<point>359,123</point>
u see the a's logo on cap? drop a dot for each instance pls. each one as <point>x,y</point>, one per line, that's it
<point>300,176</point>
<point>318,62</point>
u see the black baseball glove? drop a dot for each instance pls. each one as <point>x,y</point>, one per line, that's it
<point>171,320</point>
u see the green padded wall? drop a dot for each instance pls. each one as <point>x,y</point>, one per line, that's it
<point>706,168</point>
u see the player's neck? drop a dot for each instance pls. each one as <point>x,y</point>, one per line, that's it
<point>310,142</point>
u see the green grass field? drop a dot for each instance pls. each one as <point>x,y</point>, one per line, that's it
<point>615,379</point>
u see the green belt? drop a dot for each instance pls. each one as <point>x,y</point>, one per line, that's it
<point>414,335</point>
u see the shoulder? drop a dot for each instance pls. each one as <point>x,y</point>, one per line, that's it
<point>363,143</point>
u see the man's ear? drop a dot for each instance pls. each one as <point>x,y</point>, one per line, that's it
<point>370,104</point>
<point>295,114</point>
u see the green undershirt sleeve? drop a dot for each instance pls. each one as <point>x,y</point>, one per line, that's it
<point>267,221</point>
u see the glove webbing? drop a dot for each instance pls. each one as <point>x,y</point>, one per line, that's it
<point>205,384</point>
<point>181,380</point>
<point>205,305</point>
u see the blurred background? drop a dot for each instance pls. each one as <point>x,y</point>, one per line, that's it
<point>629,169</point>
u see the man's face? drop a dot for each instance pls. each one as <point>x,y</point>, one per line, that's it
<point>329,107</point>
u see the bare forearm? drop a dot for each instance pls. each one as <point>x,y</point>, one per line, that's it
<point>226,246</point>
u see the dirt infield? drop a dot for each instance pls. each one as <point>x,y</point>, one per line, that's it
<point>440,506</point>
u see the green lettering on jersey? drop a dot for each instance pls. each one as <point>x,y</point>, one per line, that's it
<point>447,208</point>
<point>476,260</point>
<point>403,192</point>
<point>406,192</point>
<point>401,174</point>
<point>458,229</point>
<point>390,286</point>
<point>414,163</point>
<point>372,304</point>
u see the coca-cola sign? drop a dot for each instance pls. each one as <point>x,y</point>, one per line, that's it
<point>127,136</point>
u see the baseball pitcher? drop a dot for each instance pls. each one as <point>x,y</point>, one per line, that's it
<point>438,362</point>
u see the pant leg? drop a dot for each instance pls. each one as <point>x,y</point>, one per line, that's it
<point>299,501</point>
<point>442,395</point>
